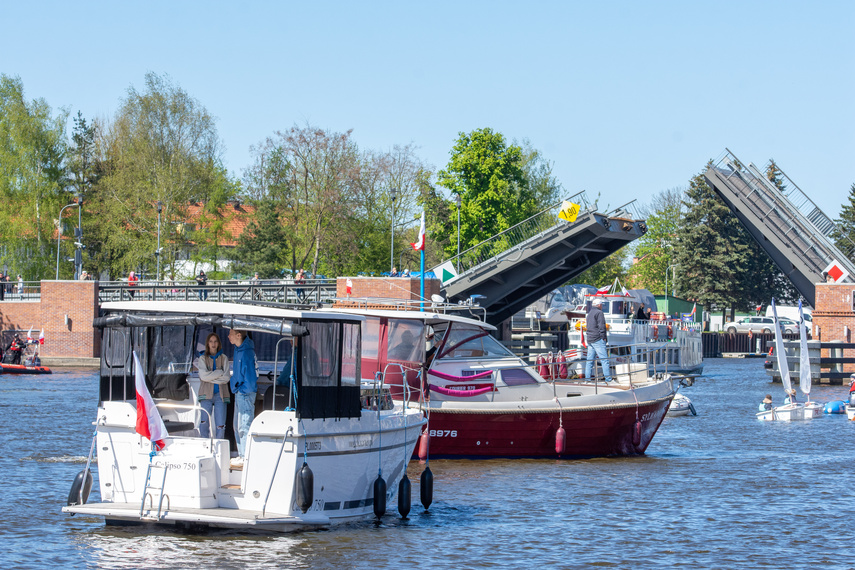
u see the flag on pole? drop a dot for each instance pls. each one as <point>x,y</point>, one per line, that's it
<point>603,290</point>
<point>30,335</point>
<point>420,244</point>
<point>349,285</point>
<point>694,308</point>
<point>42,337</point>
<point>149,423</point>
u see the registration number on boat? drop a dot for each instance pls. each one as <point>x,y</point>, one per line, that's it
<point>443,433</point>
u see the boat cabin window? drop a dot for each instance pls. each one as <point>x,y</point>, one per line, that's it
<point>467,341</point>
<point>517,377</point>
<point>330,370</point>
<point>406,340</point>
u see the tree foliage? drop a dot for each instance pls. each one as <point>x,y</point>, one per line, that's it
<point>490,177</point>
<point>844,232</point>
<point>32,182</point>
<point>161,146</point>
<point>654,251</point>
<point>721,266</point>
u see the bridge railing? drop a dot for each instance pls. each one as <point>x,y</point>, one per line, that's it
<point>30,291</point>
<point>313,291</point>
<point>516,235</point>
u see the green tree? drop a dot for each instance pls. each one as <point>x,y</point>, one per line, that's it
<point>654,250</point>
<point>162,146</point>
<point>490,177</point>
<point>844,231</point>
<point>263,244</point>
<point>721,266</point>
<point>32,183</point>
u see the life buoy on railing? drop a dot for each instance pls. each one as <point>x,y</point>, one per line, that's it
<point>670,332</point>
<point>655,332</point>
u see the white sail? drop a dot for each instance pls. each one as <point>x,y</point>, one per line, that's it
<point>804,357</point>
<point>783,367</point>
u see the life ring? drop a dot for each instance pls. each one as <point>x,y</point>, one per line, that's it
<point>581,325</point>
<point>655,332</point>
<point>670,332</point>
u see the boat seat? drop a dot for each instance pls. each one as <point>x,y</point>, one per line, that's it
<point>281,398</point>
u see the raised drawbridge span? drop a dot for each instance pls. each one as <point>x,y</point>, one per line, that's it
<point>518,266</point>
<point>789,226</point>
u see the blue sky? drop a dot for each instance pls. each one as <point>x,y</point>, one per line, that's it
<point>626,98</point>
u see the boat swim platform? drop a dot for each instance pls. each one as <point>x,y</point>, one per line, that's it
<point>782,219</point>
<point>515,278</point>
<point>219,517</point>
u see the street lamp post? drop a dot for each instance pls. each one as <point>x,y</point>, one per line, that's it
<point>673,279</point>
<point>157,252</point>
<point>59,235</point>
<point>457,197</point>
<point>394,193</point>
<point>78,256</point>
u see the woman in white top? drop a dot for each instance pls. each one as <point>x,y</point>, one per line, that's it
<point>214,393</point>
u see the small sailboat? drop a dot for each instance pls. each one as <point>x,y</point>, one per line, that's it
<point>792,410</point>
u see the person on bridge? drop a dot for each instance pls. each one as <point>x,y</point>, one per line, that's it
<point>597,339</point>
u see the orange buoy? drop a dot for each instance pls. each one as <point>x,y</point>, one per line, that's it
<point>636,434</point>
<point>560,438</point>
<point>424,445</point>
<point>670,332</point>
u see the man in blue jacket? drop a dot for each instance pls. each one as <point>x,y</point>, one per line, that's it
<point>595,323</point>
<point>244,387</point>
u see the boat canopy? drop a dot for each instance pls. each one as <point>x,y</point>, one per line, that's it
<point>321,353</point>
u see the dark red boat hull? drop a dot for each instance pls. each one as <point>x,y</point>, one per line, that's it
<point>598,432</point>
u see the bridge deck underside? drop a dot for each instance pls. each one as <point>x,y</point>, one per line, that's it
<point>523,274</point>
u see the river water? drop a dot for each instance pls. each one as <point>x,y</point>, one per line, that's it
<point>716,490</point>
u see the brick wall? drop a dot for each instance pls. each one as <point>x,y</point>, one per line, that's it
<point>834,318</point>
<point>386,287</point>
<point>64,337</point>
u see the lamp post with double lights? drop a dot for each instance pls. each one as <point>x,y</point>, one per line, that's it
<point>394,193</point>
<point>157,252</point>
<point>79,204</point>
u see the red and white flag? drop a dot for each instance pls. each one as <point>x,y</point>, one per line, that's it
<point>42,337</point>
<point>30,335</point>
<point>604,290</point>
<point>149,423</point>
<point>420,245</point>
<point>349,285</point>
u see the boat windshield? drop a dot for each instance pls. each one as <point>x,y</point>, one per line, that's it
<point>466,341</point>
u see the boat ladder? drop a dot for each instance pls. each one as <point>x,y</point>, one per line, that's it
<point>147,494</point>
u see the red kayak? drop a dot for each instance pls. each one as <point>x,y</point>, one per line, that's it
<point>21,369</point>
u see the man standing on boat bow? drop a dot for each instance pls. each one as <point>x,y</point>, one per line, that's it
<point>595,323</point>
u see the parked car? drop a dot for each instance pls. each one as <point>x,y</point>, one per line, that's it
<point>761,325</point>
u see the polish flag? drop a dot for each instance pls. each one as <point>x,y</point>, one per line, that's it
<point>149,423</point>
<point>30,335</point>
<point>604,290</point>
<point>42,337</point>
<point>694,308</point>
<point>420,245</point>
<point>349,284</point>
